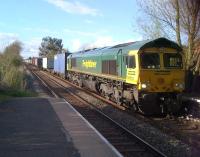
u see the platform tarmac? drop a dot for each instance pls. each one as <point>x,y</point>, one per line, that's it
<point>48,127</point>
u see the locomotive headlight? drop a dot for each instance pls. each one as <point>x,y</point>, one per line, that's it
<point>144,85</point>
<point>179,85</point>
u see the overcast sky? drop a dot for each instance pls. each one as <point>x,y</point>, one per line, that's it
<point>76,22</point>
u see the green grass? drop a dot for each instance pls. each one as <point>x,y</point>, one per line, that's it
<point>5,95</point>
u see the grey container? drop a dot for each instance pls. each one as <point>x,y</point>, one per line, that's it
<point>39,62</point>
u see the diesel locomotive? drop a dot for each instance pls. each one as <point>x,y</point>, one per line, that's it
<point>147,76</point>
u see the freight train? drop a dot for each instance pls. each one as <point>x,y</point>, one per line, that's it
<point>147,76</point>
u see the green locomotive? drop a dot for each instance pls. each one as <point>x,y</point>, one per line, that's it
<point>145,75</point>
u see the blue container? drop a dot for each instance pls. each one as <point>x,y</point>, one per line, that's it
<point>60,63</point>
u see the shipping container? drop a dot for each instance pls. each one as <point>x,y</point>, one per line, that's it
<point>47,63</point>
<point>60,63</point>
<point>39,62</point>
<point>28,61</point>
<point>34,60</point>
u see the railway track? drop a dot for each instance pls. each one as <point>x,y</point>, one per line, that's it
<point>126,142</point>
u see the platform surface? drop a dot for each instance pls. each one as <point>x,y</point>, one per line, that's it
<point>47,127</point>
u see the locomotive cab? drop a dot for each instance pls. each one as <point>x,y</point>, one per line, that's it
<point>161,79</point>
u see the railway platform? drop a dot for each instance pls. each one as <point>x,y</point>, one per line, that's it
<point>48,127</point>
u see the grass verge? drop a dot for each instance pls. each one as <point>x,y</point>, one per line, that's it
<point>5,95</point>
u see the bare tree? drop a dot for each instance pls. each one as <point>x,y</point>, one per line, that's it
<point>151,29</point>
<point>166,12</point>
<point>175,4</point>
<point>195,60</point>
<point>190,22</point>
<point>180,16</point>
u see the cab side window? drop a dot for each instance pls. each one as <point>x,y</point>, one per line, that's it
<point>130,61</point>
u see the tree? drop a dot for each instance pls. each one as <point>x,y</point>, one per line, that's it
<point>195,66</point>
<point>166,13</point>
<point>11,75</point>
<point>65,51</point>
<point>175,4</point>
<point>190,22</point>
<point>50,46</point>
<point>11,54</point>
<point>151,29</point>
<point>182,17</point>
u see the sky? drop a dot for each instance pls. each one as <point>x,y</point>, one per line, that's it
<point>79,23</point>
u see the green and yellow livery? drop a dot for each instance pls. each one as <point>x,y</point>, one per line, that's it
<point>146,75</point>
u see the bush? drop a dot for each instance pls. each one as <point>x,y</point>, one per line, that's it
<point>11,72</point>
<point>13,78</point>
